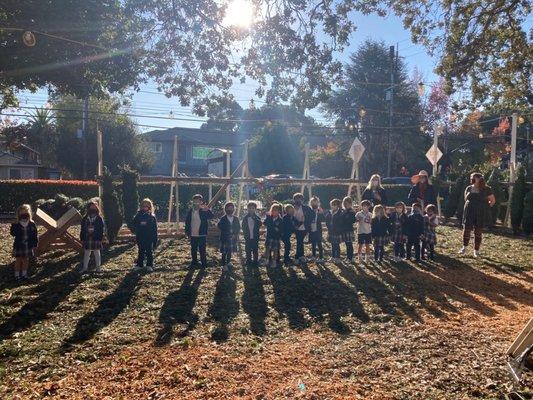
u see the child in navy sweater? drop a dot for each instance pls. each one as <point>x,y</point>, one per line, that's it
<point>274,226</point>
<point>289,228</point>
<point>348,232</point>
<point>315,230</point>
<point>144,226</point>
<point>380,231</point>
<point>415,231</point>
<point>398,222</point>
<point>229,235</point>
<point>334,222</point>
<point>25,241</point>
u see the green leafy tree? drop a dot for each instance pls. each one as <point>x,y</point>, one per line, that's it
<point>371,63</point>
<point>517,198</point>
<point>111,207</point>
<point>130,194</point>
<point>122,143</point>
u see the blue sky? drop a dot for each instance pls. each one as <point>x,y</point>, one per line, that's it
<point>150,103</point>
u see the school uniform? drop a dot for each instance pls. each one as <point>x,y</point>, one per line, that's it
<point>334,223</point>
<point>230,227</point>
<point>364,227</point>
<point>196,224</point>
<point>348,235</point>
<point>92,232</point>
<point>144,226</point>
<point>430,236</point>
<point>380,232</point>
<point>274,233</point>
<point>303,215</point>
<point>289,227</point>
<point>25,239</point>
<point>415,230</point>
<point>398,226</point>
<point>315,232</point>
<point>250,229</point>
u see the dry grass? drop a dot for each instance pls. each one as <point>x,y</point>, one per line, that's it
<point>389,331</point>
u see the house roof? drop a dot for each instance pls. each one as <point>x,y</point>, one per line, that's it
<point>196,135</point>
<point>12,159</point>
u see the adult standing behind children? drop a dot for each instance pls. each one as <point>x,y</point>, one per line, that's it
<point>478,198</point>
<point>196,224</point>
<point>422,191</point>
<point>374,192</point>
<point>303,214</point>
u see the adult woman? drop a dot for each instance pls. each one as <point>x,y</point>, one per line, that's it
<point>374,192</point>
<point>422,191</point>
<point>478,198</point>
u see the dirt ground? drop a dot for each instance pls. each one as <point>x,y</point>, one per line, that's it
<point>433,330</point>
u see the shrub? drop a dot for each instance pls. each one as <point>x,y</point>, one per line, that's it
<point>465,181</point>
<point>527,220</point>
<point>494,181</point>
<point>456,192</point>
<point>111,207</point>
<point>517,198</point>
<point>130,194</point>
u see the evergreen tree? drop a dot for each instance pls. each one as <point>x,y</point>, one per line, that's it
<point>494,181</point>
<point>130,194</point>
<point>517,198</point>
<point>111,207</point>
<point>527,220</point>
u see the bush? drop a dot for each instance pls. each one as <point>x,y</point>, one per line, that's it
<point>465,181</point>
<point>130,194</point>
<point>527,220</point>
<point>456,192</point>
<point>494,181</point>
<point>111,207</point>
<point>517,198</point>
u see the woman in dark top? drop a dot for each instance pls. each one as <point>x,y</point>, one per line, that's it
<point>422,191</point>
<point>478,200</point>
<point>374,192</point>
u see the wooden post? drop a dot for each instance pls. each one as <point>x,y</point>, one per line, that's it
<point>176,186</point>
<point>100,165</point>
<point>436,144</point>
<point>173,184</point>
<point>244,173</point>
<point>355,175</point>
<point>305,174</point>
<point>223,188</point>
<point>512,168</point>
<point>228,174</point>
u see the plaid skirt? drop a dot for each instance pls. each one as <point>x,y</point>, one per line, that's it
<point>22,251</point>
<point>91,244</point>
<point>272,244</point>
<point>335,238</point>
<point>229,245</point>
<point>398,237</point>
<point>430,236</point>
<point>348,236</point>
<point>380,240</point>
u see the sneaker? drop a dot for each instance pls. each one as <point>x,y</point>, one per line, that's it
<point>136,268</point>
<point>273,264</point>
<point>98,270</point>
<point>320,260</point>
<point>149,268</point>
<point>225,268</point>
<point>476,253</point>
<point>230,265</point>
<point>462,250</point>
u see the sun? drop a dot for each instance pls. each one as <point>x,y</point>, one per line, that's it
<point>240,13</point>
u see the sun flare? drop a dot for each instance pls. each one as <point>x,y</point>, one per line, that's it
<point>240,13</point>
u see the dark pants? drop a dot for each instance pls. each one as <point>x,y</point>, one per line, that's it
<point>198,243</point>
<point>349,250</point>
<point>287,249</point>
<point>378,253</point>
<point>335,250</point>
<point>251,246</point>
<point>477,236</point>
<point>399,250</point>
<point>300,236</point>
<point>316,243</point>
<point>226,258</point>
<point>430,248</point>
<point>416,244</point>
<point>145,250</point>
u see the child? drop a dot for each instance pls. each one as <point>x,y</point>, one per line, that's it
<point>380,231</point>
<point>347,232</point>
<point>431,220</point>
<point>91,235</point>
<point>289,227</point>
<point>144,227</point>
<point>25,233</point>
<point>398,222</point>
<point>250,229</point>
<point>364,229</point>
<point>196,229</point>
<point>229,235</point>
<point>274,226</point>
<point>303,215</point>
<point>334,222</point>
<point>415,230</point>
<point>315,232</point>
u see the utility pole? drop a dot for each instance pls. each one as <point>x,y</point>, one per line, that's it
<point>391,104</point>
<point>84,129</point>
<point>512,167</point>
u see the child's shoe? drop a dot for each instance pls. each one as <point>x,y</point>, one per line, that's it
<point>476,253</point>
<point>273,264</point>
<point>98,269</point>
<point>462,250</point>
<point>149,268</point>
<point>225,268</point>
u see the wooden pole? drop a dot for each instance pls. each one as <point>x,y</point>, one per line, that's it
<point>226,184</point>
<point>512,168</point>
<point>244,173</point>
<point>173,174</point>
<point>305,174</point>
<point>352,176</point>
<point>210,191</point>
<point>176,187</point>
<point>228,174</point>
<point>436,145</point>
<point>100,165</point>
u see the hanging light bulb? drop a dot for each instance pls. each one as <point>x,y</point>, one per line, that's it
<point>423,128</point>
<point>452,117</point>
<point>28,38</point>
<point>440,129</point>
<point>521,120</point>
<point>480,136</point>
<point>362,112</point>
<point>421,88</point>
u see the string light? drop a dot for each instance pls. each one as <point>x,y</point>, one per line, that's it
<point>28,38</point>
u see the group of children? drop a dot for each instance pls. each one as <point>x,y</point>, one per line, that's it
<point>408,232</point>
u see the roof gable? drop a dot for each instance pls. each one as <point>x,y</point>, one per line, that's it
<point>196,135</point>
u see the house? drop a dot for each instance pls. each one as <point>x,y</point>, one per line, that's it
<point>18,161</point>
<point>200,151</point>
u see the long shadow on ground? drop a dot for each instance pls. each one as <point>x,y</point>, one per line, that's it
<point>225,306</point>
<point>253,299</point>
<point>178,308</point>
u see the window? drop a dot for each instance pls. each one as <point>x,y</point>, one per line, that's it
<point>15,173</point>
<point>156,147</point>
<point>201,152</point>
